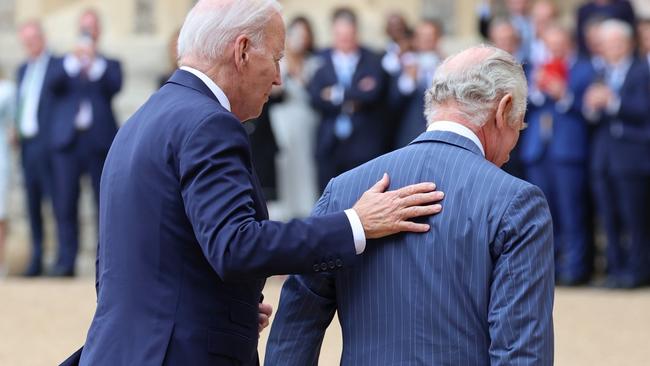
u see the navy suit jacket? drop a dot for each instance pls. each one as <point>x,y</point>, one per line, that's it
<point>621,143</point>
<point>477,289</point>
<point>370,133</point>
<point>412,121</point>
<point>184,241</point>
<point>47,100</point>
<point>568,140</point>
<point>71,91</point>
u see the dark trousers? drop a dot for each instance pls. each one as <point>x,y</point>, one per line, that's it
<point>563,184</point>
<point>623,202</point>
<point>69,165</point>
<point>37,173</point>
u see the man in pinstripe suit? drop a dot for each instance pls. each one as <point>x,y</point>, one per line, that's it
<point>477,289</point>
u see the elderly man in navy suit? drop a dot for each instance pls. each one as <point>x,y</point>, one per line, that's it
<point>34,126</point>
<point>619,105</point>
<point>185,243</point>
<point>84,129</point>
<point>478,288</point>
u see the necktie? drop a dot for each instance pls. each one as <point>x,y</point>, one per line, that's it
<point>343,126</point>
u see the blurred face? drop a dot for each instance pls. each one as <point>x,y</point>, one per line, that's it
<point>558,43</point>
<point>426,38</point>
<point>32,40</point>
<point>543,14</point>
<point>517,6</point>
<point>261,71</point>
<point>298,38</point>
<point>593,40</point>
<point>615,46</point>
<point>396,27</point>
<point>89,24</point>
<point>504,36</point>
<point>344,36</point>
<point>644,37</point>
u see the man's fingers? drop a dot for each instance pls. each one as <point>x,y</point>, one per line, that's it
<point>266,309</point>
<point>415,188</point>
<point>381,185</point>
<point>417,211</point>
<point>422,198</point>
<point>412,227</point>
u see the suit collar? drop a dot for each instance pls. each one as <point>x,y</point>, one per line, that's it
<point>188,80</point>
<point>450,138</point>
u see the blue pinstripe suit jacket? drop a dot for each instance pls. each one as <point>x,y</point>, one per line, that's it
<point>477,289</point>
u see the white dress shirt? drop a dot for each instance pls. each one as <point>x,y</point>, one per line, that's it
<point>458,129</point>
<point>30,95</point>
<point>355,223</point>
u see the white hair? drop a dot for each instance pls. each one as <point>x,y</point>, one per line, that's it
<point>476,87</point>
<point>212,24</point>
<point>616,26</point>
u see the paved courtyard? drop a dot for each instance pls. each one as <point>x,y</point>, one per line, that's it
<point>44,320</point>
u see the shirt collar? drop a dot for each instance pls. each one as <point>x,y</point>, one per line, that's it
<point>457,128</point>
<point>214,88</point>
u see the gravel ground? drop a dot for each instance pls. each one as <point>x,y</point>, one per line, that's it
<point>42,321</point>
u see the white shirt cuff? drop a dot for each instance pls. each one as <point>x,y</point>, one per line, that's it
<point>337,94</point>
<point>72,65</point>
<point>537,97</point>
<point>406,84</point>
<point>357,231</point>
<point>97,69</point>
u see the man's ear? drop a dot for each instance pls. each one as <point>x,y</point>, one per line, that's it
<point>503,111</point>
<point>242,49</point>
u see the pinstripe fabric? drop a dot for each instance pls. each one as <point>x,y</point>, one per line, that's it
<point>477,289</point>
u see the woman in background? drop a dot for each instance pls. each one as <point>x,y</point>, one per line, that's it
<point>294,123</point>
<point>7,108</point>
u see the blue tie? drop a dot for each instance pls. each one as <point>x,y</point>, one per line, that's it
<point>343,125</point>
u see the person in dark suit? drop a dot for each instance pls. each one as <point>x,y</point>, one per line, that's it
<point>185,243</point>
<point>84,127</point>
<point>595,10</point>
<point>478,288</point>
<point>620,166</point>
<point>35,104</point>
<point>555,149</point>
<point>347,91</point>
<point>407,89</point>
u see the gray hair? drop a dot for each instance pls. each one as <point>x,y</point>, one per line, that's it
<point>615,25</point>
<point>212,24</point>
<point>476,87</point>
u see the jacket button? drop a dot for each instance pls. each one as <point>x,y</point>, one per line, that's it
<point>323,266</point>
<point>331,263</point>
<point>339,263</point>
<point>316,267</point>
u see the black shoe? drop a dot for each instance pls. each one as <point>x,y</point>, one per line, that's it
<point>35,269</point>
<point>61,272</point>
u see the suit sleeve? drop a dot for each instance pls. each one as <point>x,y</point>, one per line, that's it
<point>307,306</point>
<point>111,81</point>
<point>216,186</point>
<point>521,294</point>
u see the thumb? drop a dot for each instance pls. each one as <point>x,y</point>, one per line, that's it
<point>381,185</point>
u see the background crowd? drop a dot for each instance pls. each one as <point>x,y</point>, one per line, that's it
<point>587,145</point>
